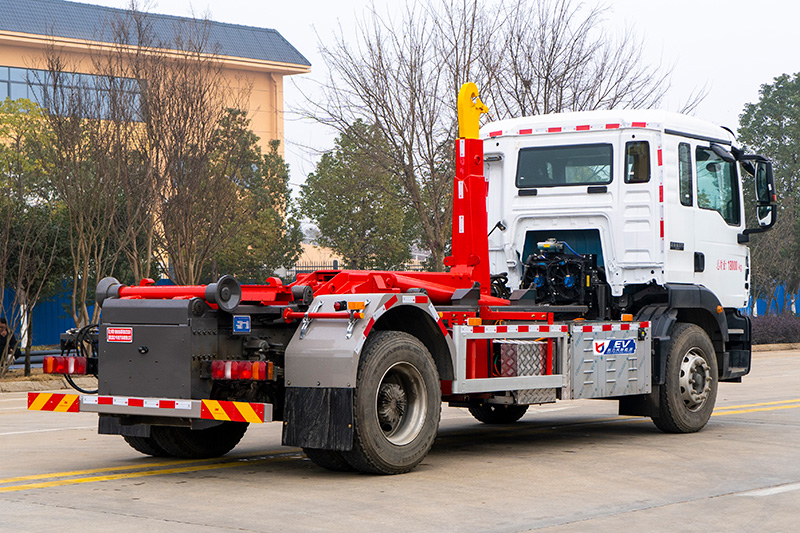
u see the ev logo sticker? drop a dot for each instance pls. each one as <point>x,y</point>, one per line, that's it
<point>241,323</point>
<point>615,347</point>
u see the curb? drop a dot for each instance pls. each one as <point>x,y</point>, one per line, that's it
<point>776,347</point>
<point>44,385</point>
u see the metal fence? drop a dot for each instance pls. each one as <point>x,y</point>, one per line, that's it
<point>307,268</point>
<point>37,359</point>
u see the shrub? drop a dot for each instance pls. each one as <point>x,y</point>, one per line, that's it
<point>776,329</point>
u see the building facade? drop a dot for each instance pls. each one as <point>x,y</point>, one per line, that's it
<point>259,57</point>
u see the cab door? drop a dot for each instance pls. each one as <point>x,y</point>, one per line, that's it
<point>720,261</point>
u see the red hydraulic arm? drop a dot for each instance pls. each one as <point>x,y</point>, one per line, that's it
<point>470,244</point>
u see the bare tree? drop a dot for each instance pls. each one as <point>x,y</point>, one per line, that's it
<point>116,81</point>
<point>392,77</point>
<point>528,57</point>
<point>82,176</point>
<point>183,98</point>
<point>558,55</point>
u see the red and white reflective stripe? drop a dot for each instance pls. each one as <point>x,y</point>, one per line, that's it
<point>661,195</point>
<point>409,299</point>
<point>151,403</point>
<point>623,326</point>
<point>579,127</point>
<point>545,328</point>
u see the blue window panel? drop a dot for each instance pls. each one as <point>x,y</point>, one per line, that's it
<point>36,93</point>
<point>18,74</point>
<point>3,73</point>
<point>18,90</point>
<point>3,90</point>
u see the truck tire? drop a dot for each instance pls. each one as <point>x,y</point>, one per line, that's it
<point>199,443</point>
<point>686,399</point>
<point>146,445</point>
<point>397,405</point>
<point>497,414</point>
<point>328,459</point>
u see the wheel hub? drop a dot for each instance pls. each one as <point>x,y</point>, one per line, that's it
<point>400,403</point>
<point>695,380</point>
<point>392,405</point>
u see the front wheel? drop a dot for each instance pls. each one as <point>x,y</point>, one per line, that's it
<point>397,405</point>
<point>687,397</point>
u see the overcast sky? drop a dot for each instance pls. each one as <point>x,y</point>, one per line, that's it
<point>730,47</point>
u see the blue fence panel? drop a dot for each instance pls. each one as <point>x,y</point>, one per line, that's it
<point>8,301</point>
<point>51,318</point>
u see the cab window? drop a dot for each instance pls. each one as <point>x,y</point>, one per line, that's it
<point>553,166</point>
<point>717,187</point>
<point>637,162</point>
<point>685,174</point>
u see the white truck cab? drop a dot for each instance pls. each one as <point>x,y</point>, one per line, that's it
<point>655,196</point>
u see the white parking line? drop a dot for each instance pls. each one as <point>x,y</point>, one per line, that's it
<point>772,491</point>
<point>45,430</point>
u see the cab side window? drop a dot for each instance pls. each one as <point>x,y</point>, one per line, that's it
<point>717,187</point>
<point>685,174</point>
<point>637,162</point>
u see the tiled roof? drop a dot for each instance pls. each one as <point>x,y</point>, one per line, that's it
<point>75,20</point>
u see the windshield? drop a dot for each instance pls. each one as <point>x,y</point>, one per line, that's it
<point>552,166</point>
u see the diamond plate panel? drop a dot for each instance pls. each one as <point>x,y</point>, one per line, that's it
<point>530,396</point>
<point>508,360</point>
<point>522,357</point>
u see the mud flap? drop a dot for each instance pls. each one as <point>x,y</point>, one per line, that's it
<point>319,417</point>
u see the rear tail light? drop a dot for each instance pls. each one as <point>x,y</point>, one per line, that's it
<point>242,370</point>
<point>64,365</point>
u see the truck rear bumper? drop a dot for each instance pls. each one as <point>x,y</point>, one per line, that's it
<point>162,407</point>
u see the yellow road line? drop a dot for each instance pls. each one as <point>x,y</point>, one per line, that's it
<point>105,469</point>
<point>773,408</point>
<point>781,402</point>
<point>202,464</point>
<point>195,468</point>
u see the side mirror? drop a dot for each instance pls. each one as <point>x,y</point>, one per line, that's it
<point>766,199</point>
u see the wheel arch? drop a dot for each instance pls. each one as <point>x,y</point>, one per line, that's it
<point>420,324</point>
<point>689,304</point>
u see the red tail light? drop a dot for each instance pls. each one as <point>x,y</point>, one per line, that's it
<point>64,365</point>
<point>242,370</point>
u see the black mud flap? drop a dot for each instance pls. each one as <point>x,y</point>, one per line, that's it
<point>319,418</point>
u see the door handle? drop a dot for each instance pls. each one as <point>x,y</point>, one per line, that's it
<point>699,262</point>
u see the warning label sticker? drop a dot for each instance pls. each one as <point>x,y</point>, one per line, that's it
<point>614,347</point>
<point>119,334</point>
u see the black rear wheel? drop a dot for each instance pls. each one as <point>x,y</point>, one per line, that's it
<point>199,443</point>
<point>146,445</point>
<point>397,404</point>
<point>497,414</point>
<point>328,459</point>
